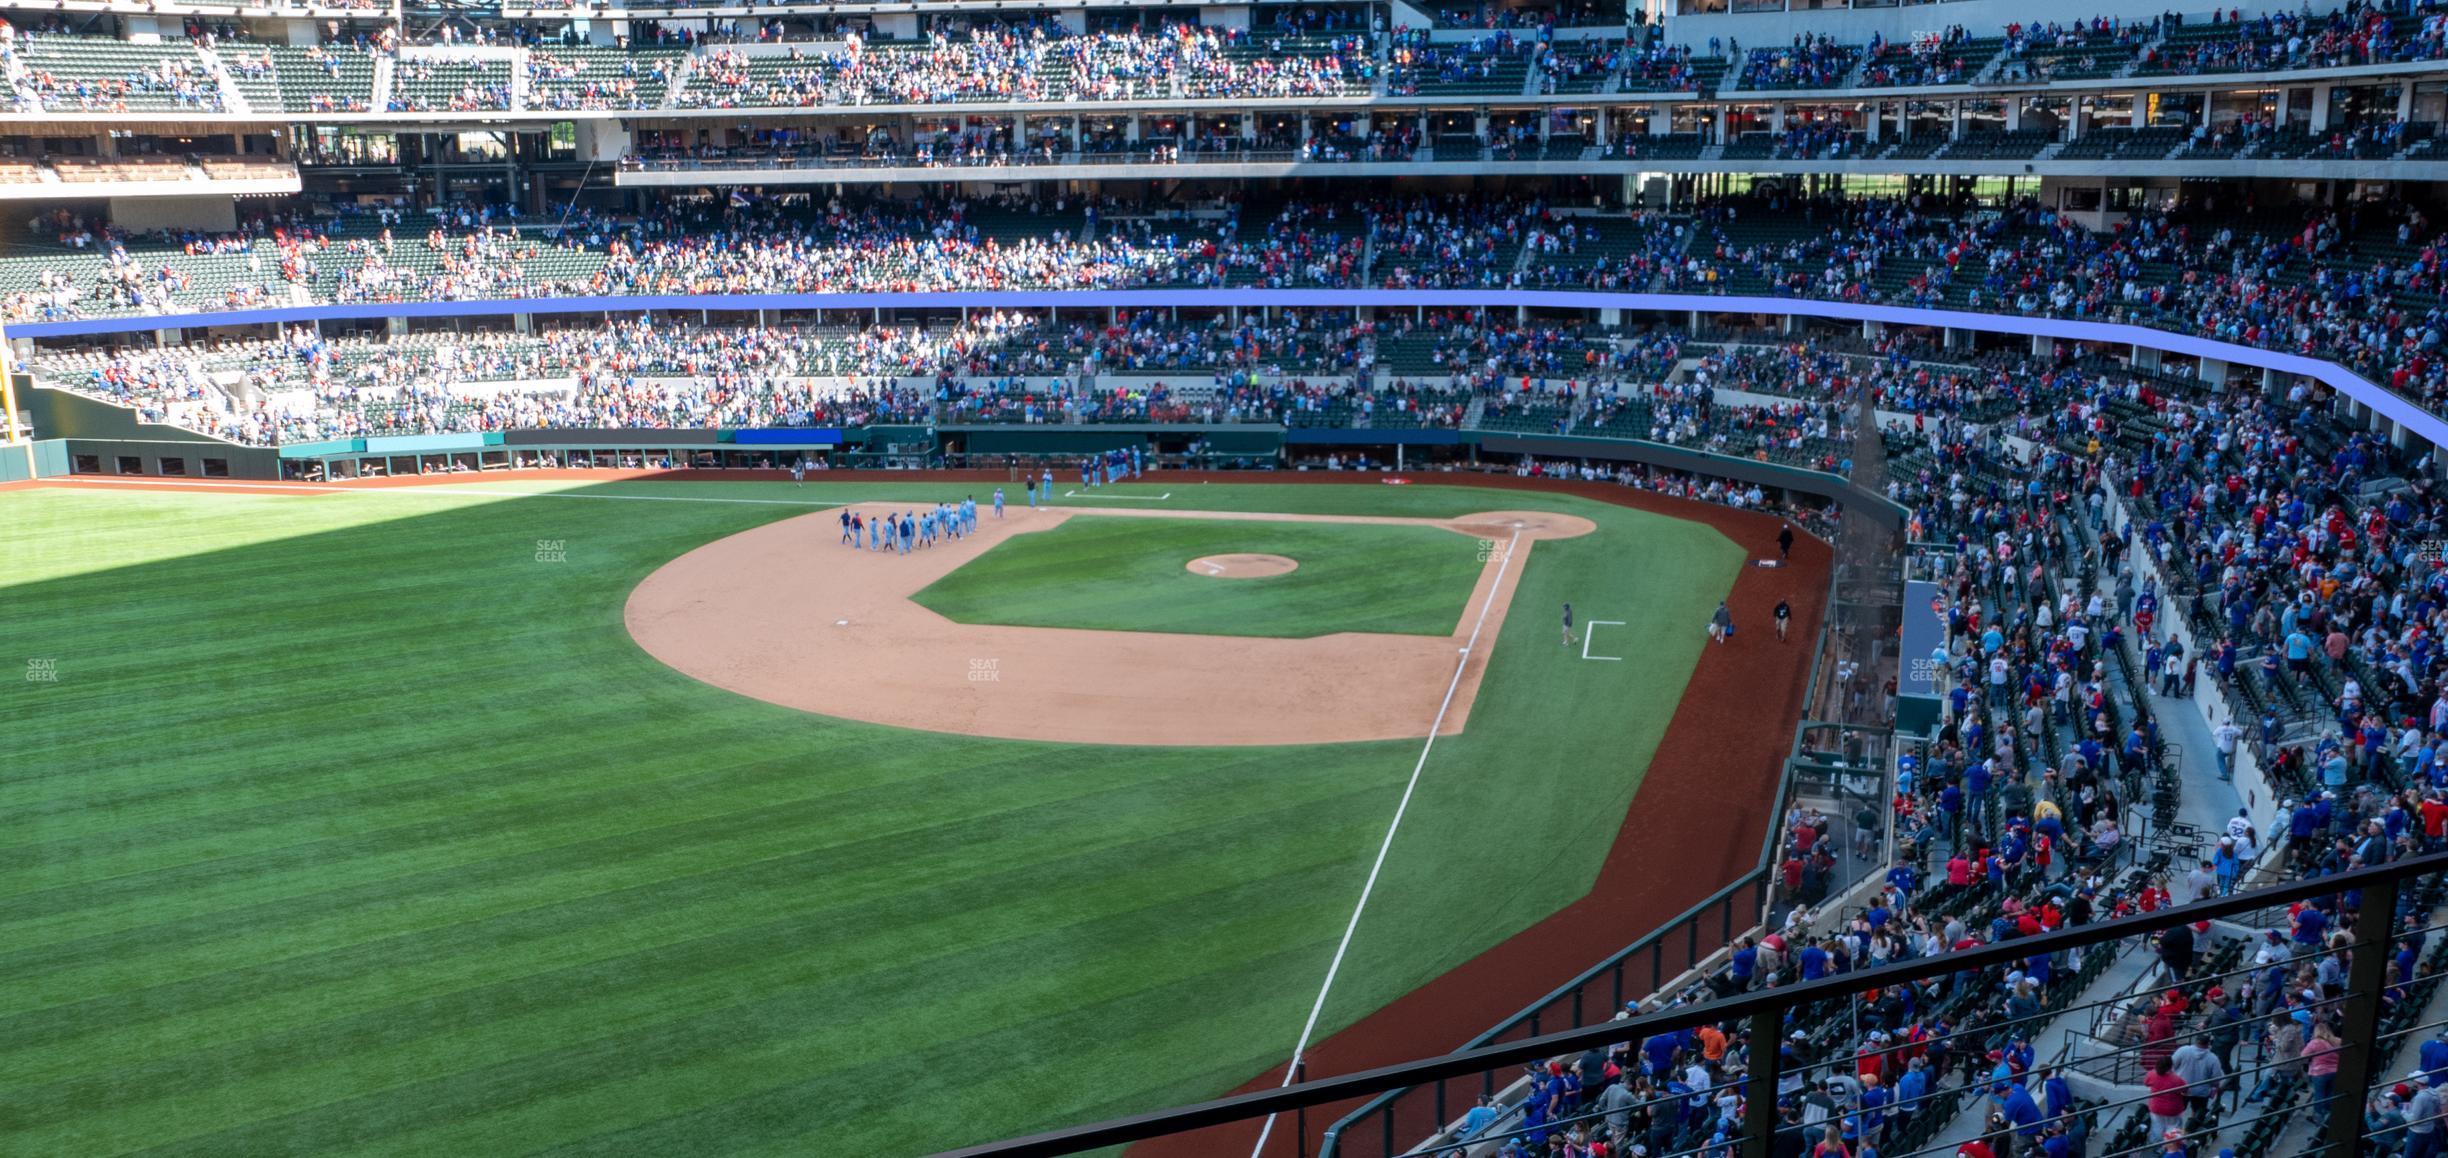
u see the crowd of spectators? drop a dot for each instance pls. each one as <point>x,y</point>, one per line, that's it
<point>1037,61</point>
<point>2357,283</point>
<point>425,85</point>
<point>1414,59</point>
<point>1928,59</point>
<point>2358,33</point>
<point>578,82</point>
<point>186,83</point>
<point>1659,68</point>
<point>1569,14</point>
<point>2060,526</point>
<point>842,61</point>
<point>1811,61</point>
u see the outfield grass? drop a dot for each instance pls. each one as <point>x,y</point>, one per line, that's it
<point>351,827</point>
<point>1115,573</point>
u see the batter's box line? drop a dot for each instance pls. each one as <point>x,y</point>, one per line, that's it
<point>1591,632</point>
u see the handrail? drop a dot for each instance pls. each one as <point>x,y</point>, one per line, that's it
<point>2378,882</point>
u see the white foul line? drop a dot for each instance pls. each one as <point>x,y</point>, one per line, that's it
<point>1128,498</point>
<point>1319,1007</point>
<point>1592,629</point>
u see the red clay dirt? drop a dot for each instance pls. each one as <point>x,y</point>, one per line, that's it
<point>1696,824</point>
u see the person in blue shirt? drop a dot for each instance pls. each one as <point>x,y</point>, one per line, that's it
<point>2019,1056</point>
<point>1911,1089</point>
<point>2091,753</point>
<point>1479,1118</point>
<point>2299,655</point>
<point>1875,1099</point>
<point>2302,823</point>
<point>1744,965</point>
<point>1535,1111</point>
<point>1814,962</point>
<point>2310,923</point>
<point>2055,1091</point>
<point>2435,1057</point>
<point>1657,1054</point>
<point>2137,750</point>
<point>2023,1114</point>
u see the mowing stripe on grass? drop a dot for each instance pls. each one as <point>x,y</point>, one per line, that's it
<point>352,828</point>
<point>1336,966</point>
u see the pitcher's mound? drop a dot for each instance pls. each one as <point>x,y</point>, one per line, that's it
<point>1242,566</point>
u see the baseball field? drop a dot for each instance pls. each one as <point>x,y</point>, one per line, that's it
<point>647,817</point>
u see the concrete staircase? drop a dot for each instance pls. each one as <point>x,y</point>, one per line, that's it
<point>233,98</point>
<point>519,80</point>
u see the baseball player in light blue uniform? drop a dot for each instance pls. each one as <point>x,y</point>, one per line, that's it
<point>999,502</point>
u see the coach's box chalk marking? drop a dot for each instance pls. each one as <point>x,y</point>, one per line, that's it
<point>1591,632</point>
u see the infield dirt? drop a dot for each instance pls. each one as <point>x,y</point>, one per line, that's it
<point>788,614</point>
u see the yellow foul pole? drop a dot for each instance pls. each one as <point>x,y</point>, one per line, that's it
<point>16,435</point>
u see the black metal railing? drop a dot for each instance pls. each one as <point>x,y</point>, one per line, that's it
<point>1637,972</point>
<point>1765,1013</point>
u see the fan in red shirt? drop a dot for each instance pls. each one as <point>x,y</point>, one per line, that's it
<point>2435,817</point>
